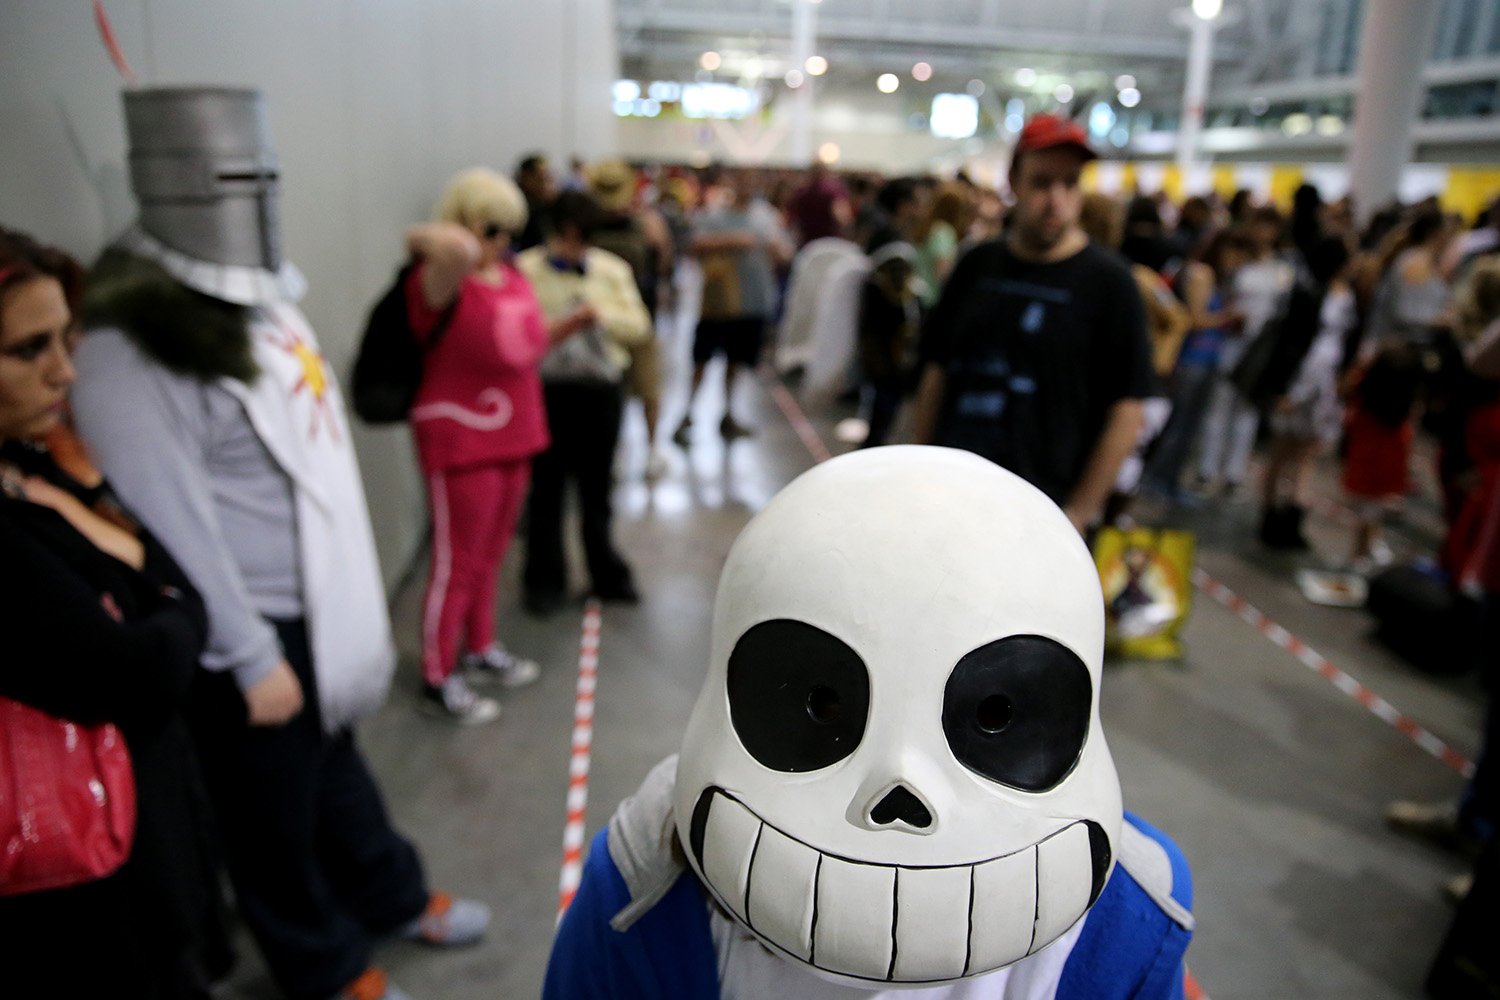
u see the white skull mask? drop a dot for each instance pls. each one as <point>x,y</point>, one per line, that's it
<point>895,772</point>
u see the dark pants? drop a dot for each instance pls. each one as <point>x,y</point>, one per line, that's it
<point>1479,810</point>
<point>1191,389</point>
<point>584,418</point>
<point>318,871</point>
<point>884,404</point>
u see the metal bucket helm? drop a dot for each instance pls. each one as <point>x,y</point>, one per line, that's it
<point>205,174</point>
<point>895,773</point>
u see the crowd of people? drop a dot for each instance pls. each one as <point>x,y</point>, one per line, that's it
<point>179,487</point>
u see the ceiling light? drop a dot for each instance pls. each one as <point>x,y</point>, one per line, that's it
<point>1330,125</point>
<point>1297,124</point>
<point>887,83</point>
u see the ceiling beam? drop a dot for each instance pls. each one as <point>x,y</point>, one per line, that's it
<point>1167,45</point>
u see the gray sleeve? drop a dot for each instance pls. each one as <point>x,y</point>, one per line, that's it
<point>146,428</point>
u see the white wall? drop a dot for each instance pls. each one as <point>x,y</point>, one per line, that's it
<point>373,104</point>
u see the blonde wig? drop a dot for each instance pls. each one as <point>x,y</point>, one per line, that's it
<point>480,195</point>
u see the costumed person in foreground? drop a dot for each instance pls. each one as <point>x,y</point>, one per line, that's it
<point>111,864</point>
<point>894,777</point>
<point>208,403</point>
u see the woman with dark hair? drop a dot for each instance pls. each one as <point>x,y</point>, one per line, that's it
<point>1260,291</point>
<point>1145,239</point>
<point>101,627</point>
<point>1413,294</point>
<point>1204,286</point>
<point>1307,414</point>
<point>1306,225</point>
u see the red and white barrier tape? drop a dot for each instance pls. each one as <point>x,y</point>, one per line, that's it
<point>578,764</point>
<point>1319,664</point>
<point>794,415</point>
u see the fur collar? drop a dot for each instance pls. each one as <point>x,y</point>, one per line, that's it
<point>187,332</point>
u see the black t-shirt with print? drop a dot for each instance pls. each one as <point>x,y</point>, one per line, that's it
<point>1035,355</point>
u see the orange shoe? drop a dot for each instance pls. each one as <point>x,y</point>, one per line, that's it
<point>371,985</point>
<point>448,922</point>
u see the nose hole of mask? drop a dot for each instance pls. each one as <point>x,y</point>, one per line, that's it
<point>901,805</point>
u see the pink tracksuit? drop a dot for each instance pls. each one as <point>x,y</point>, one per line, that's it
<point>478,419</point>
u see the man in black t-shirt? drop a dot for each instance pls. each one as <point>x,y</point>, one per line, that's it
<point>1036,355</point>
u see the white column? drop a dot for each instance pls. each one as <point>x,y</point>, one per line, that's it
<point>1194,89</point>
<point>1393,46</point>
<point>804,38</point>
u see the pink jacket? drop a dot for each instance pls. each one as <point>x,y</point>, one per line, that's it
<point>480,400</point>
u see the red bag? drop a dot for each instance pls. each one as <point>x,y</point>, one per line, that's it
<point>67,801</point>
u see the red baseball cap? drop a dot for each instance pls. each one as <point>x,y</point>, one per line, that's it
<point>1051,131</point>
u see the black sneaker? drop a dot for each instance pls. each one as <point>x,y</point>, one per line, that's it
<point>620,593</point>
<point>543,604</point>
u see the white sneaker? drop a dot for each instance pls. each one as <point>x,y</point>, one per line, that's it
<point>455,701</point>
<point>852,430</point>
<point>499,664</point>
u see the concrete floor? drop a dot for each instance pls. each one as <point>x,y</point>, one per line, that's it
<point>1269,778</point>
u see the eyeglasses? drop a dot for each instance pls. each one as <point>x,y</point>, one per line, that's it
<point>491,230</point>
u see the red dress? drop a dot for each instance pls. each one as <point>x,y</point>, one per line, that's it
<point>1471,552</point>
<point>1376,464</point>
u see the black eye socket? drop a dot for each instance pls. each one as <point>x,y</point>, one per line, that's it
<point>1017,711</point>
<point>798,697</point>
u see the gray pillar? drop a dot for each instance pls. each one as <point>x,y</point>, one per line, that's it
<point>804,41</point>
<point>1194,90</point>
<point>1394,45</point>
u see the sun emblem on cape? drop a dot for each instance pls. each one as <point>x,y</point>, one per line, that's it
<point>313,379</point>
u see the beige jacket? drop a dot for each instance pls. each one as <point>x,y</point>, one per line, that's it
<point>607,284</point>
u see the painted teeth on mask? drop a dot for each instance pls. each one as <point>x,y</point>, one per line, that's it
<point>855,940</point>
<point>904,930</point>
<point>1071,883</point>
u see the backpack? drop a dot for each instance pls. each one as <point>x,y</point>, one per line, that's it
<point>388,368</point>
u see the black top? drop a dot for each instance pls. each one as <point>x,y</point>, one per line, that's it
<point>90,639</point>
<point>87,637</point>
<point>1035,355</point>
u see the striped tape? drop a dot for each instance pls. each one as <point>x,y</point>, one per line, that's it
<point>794,416</point>
<point>1319,664</point>
<point>578,763</point>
